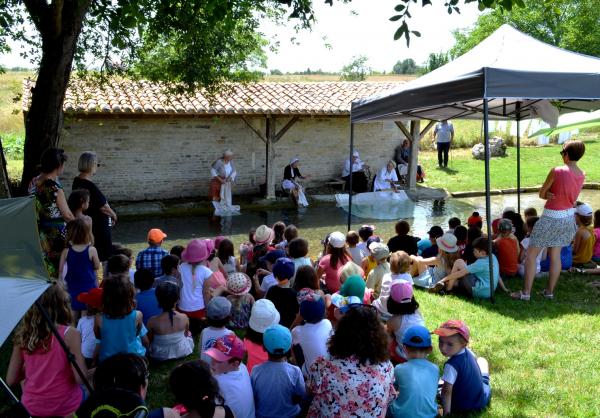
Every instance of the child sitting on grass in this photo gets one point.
(369, 262)
(85, 325)
(298, 252)
(145, 298)
(282, 296)
(404, 309)
(232, 375)
(447, 254)
(585, 238)
(278, 386)
(375, 278)
(416, 380)
(352, 240)
(400, 263)
(475, 220)
(218, 313)
(263, 315)
(596, 256)
(466, 378)
(169, 331)
(529, 224)
(507, 249)
(365, 232)
(402, 241)
(151, 256)
(474, 278)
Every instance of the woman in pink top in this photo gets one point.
(556, 227)
(50, 386)
(337, 256)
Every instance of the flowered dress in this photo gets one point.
(241, 306)
(344, 387)
(51, 225)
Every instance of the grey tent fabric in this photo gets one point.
(23, 275)
(505, 68)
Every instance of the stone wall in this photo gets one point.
(169, 157)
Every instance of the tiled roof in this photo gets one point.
(143, 97)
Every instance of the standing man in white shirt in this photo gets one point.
(359, 178)
(443, 135)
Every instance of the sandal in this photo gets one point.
(520, 296)
(577, 270)
(437, 288)
(546, 295)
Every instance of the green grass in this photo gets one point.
(542, 354)
(465, 173)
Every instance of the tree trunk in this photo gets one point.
(59, 30)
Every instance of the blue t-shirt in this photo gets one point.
(147, 304)
(278, 388)
(481, 270)
(417, 383)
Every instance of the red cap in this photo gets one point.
(92, 298)
(227, 348)
(452, 327)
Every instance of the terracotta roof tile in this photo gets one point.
(143, 97)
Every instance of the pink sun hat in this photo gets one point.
(195, 252)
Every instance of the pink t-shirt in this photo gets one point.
(50, 388)
(332, 279)
(256, 354)
(597, 245)
(566, 188)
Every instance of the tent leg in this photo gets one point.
(14, 398)
(62, 343)
(518, 157)
(488, 203)
(350, 182)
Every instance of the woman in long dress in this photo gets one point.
(223, 174)
(291, 175)
(386, 178)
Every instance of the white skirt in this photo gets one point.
(171, 346)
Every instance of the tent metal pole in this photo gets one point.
(62, 343)
(518, 111)
(350, 182)
(488, 203)
(13, 397)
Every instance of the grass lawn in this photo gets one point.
(465, 173)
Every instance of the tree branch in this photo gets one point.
(38, 10)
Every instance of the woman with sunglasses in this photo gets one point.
(556, 227)
(357, 378)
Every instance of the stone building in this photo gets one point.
(152, 144)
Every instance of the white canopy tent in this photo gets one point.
(509, 75)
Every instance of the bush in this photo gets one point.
(13, 145)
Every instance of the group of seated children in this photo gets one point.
(276, 334)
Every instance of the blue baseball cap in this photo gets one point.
(284, 268)
(272, 256)
(277, 339)
(417, 336)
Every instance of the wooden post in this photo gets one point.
(269, 179)
(415, 133)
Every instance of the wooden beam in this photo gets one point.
(426, 129)
(415, 128)
(283, 130)
(269, 174)
(256, 131)
(405, 131)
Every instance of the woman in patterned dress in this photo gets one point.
(51, 206)
(357, 378)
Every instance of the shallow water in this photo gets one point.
(315, 223)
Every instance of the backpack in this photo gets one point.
(113, 403)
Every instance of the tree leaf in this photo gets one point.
(395, 18)
(399, 7)
(399, 32)
(416, 33)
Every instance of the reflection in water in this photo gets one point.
(317, 222)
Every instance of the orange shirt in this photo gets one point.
(507, 250)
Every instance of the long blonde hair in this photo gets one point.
(447, 259)
(34, 332)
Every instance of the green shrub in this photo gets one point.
(13, 145)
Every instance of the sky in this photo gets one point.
(343, 31)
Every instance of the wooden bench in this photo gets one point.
(337, 183)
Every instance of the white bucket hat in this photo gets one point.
(337, 239)
(263, 315)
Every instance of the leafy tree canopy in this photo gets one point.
(436, 60)
(406, 66)
(569, 24)
(356, 70)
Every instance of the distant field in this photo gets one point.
(11, 88)
(334, 77)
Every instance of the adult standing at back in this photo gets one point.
(443, 134)
(51, 207)
(556, 227)
(99, 210)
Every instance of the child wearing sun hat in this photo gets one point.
(404, 309)
(263, 315)
(466, 378)
(278, 386)
(238, 286)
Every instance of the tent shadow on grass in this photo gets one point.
(573, 293)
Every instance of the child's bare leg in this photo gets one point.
(501, 284)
